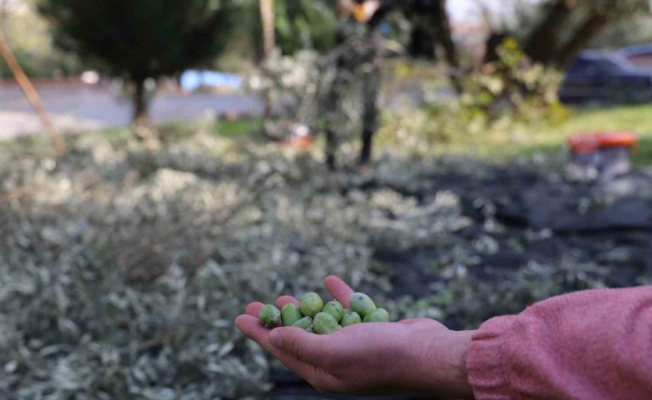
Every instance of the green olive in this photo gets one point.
(379, 315)
(290, 314)
(335, 309)
(362, 304)
(350, 318)
(325, 323)
(270, 316)
(311, 305)
(304, 323)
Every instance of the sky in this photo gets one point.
(468, 11)
(460, 9)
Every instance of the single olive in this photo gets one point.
(362, 304)
(270, 316)
(379, 315)
(304, 323)
(325, 323)
(335, 309)
(290, 314)
(350, 318)
(311, 305)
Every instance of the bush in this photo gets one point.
(507, 95)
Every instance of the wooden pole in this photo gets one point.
(269, 42)
(31, 94)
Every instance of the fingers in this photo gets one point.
(283, 300)
(338, 289)
(303, 346)
(316, 376)
(256, 332)
(411, 321)
(253, 309)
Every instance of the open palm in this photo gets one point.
(412, 356)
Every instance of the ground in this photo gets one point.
(123, 266)
(505, 144)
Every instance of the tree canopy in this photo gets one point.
(141, 39)
(302, 24)
(565, 27)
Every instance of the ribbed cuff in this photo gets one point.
(487, 360)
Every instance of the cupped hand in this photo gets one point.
(419, 356)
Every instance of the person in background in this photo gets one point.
(589, 345)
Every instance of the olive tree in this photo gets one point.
(565, 27)
(141, 39)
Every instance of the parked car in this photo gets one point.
(605, 77)
(195, 80)
(638, 55)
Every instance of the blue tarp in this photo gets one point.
(193, 80)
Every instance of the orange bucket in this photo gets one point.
(592, 142)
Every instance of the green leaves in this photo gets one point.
(305, 24)
(142, 38)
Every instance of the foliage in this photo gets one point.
(142, 39)
(27, 35)
(413, 130)
(305, 25)
(132, 291)
(564, 27)
(122, 268)
(299, 87)
(300, 25)
(632, 31)
(512, 87)
(42, 65)
(510, 94)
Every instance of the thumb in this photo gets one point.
(300, 344)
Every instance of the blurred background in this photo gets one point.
(165, 162)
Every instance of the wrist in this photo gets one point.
(459, 355)
(443, 370)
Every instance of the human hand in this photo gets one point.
(418, 356)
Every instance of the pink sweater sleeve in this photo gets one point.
(590, 345)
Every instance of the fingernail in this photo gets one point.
(275, 339)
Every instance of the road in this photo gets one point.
(78, 109)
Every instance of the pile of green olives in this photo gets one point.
(313, 316)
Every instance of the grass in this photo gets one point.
(500, 145)
(497, 145)
(239, 128)
(234, 129)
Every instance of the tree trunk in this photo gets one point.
(422, 44)
(269, 42)
(141, 109)
(372, 80)
(371, 115)
(445, 36)
(331, 150)
(371, 111)
(543, 43)
(582, 37)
